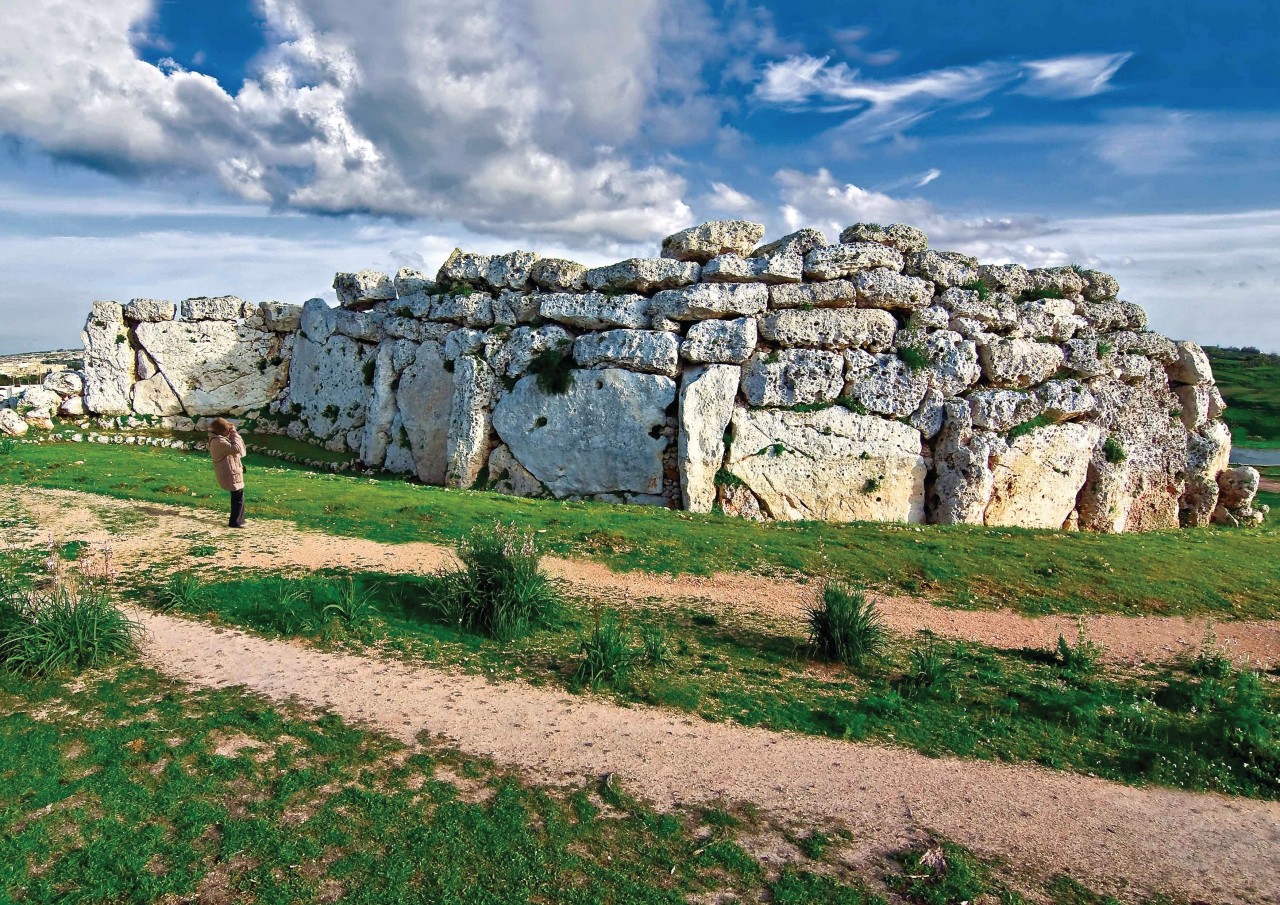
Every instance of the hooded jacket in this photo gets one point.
(226, 452)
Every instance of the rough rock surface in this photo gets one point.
(1019, 362)
(896, 235)
(1038, 477)
(830, 328)
(216, 367)
(365, 287)
(831, 464)
(642, 275)
(712, 300)
(604, 435)
(152, 310)
(706, 241)
(595, 310)
(424, 402)
(647, 351)
(222, 308)
(716, 341)
(706, 405)
(832, 262)
(792, 377)
(467, 449)
(109, 360)
(11, 423)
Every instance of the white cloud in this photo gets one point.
(501, 115)
(928, 178)
(725, 200)
(886, 107)
(1082, 75)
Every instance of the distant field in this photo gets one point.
(1250, 383)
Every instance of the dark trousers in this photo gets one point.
(237, 508)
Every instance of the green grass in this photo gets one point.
(63, 630)
(1168, 724)
(1228, 573)
(133, 788)
(1250, 383)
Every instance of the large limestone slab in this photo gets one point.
(706, 405)
(723, 342)
(887, 386)
(467, 449)
(793, 377)
(558, 275)
(832, 465)
(648, 351)
(154, 396)
(424, 403)
(363, 288)
(737, 269)
(706, 241)
(595, 310)
(888, 289)
(388, 362)
(1038, 478)
(11, 423)
(835, 261)
(217, 367)
(642, 275)
(218, 308)
(604, 435)
(1192, 366)
(712, 300)
(152, 310)
(327, 386)
(108, 360)
(1019, 363)
(830, 328)
(896, 235)
(831, 294)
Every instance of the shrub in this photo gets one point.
(1113, 449)
(1080, 658)
(845, 626)
(7, 445)
(184, 591)
(501, 591)
(64, 631)
(607, 654)
(913, 357)
(554, 368)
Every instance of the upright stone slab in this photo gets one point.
(831, 464)
(108, 360)
(706, 405)
(603, 436)
(1039, 477)
(424, 402)
(217, 367)
(469, 422)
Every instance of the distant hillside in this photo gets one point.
(1250, 383)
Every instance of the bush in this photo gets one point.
(607, 654)
(501, 591)
(1080, 658)
(184, 591)
(845, 627)
(64, 631)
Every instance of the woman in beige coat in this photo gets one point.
(226, 447)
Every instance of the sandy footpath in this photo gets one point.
(161, 535)
(1207, 846)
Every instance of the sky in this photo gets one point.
(171, 148)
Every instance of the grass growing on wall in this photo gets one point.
(1230, 573)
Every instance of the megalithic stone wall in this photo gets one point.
(869, 379)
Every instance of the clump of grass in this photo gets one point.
(913, 357)
(845, 626)
(980, 287)
(501, 591)
(1045, 292)
(183, 591)
(1027, 427)
(67, 630)
(7, 445)
(947, 874)
(654, 641)
(1210, 662)
(928, 669)
(352, 605)
(1113, 449)
(554, 368)
(1082, 657)
(607, 653)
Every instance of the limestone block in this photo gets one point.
(706, 405)
(363, 288)
(1038, 478)
(475, 309)
(732, 268)
(1061, 280)
(149, 310)
(512, 270)
(642, 275)
(830, 294)
(327, 386)
(953, 361)
(72, 407)
(467, 449)
(558, 275)
(389, 360)
(604, 435)
(896, 235)
(888, 387)
(934, 317)
(888, 289)
(154, 396)
(1082, 357)
(40, 399)
(1019, 363)
(109, 360)
(711, 300)
(526, 343)
(424, 404)
(830, 464)
(1195, 405)
(831, 262)
(595, 310)
(409, 281)
(830, 328)
(944, 268)
(318, 320)
(507, 475)
(64, 383)
(706, 241)
(963, 459)
(1008, 278)
(1001, 410)
(365, 326)
(222, 308)
(217, 367)
(798, 243)
(1208, 455)
(463, 268)
(279, 317)
(646, 351)
(792, 377)
(1066, 399)
(717, 341)
(1099, 286)
(463, 342)
(1192, 366)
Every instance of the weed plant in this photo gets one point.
(501, 591)
(554, 368)
(929, 669)
(607, 653)
(1081, 658)
(183, 591)
(66, 630)
(845, 626)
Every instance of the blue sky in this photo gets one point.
(166, 149)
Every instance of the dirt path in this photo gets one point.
(1208, 846)
(154, 535)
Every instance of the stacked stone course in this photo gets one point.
(874, 378)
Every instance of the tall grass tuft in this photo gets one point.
(183, 591)
(845, 626)
(501, 591)
(1081, 658)
(607, 654)
(66, 630)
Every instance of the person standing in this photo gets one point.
(226, 447)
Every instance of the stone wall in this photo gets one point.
(873, 378)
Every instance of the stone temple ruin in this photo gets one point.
(872, 379)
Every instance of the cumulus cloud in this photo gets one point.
(884, 107)
(491, 114)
